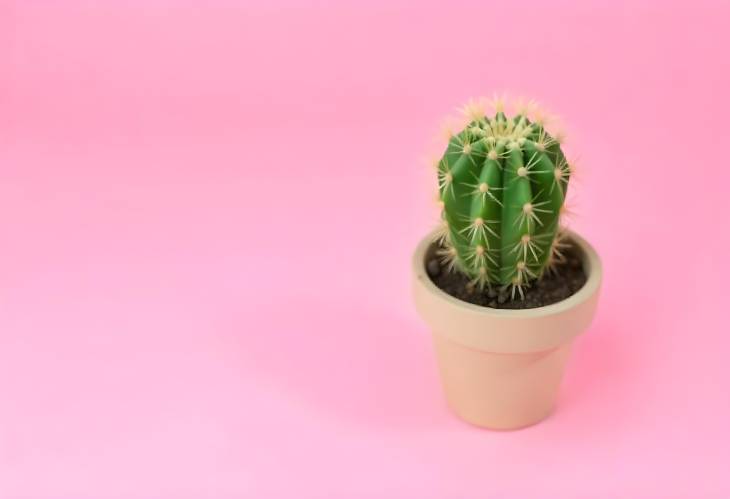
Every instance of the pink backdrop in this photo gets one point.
(206, 220)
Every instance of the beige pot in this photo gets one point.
(501, 369)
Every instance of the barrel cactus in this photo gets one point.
(502, 185)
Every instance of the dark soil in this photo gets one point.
(552, 288)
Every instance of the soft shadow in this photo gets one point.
(356, 363)
(601, 367)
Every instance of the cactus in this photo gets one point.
(502, 184)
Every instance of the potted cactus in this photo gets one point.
(503, 286)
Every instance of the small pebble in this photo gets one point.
(433, 268)
(502, 298)
(492, 293)
(493, 304)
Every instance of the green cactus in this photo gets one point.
(502, 184)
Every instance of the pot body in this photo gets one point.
(502, 369)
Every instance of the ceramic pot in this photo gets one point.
(501, 369)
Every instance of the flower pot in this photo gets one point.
(501, 369)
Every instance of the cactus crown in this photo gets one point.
(502, 184)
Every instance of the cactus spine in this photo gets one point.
(502, 184)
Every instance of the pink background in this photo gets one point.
(206, 220)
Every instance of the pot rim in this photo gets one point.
(591, 265)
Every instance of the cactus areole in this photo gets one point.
(502, 184)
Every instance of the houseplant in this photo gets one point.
(503, 286)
